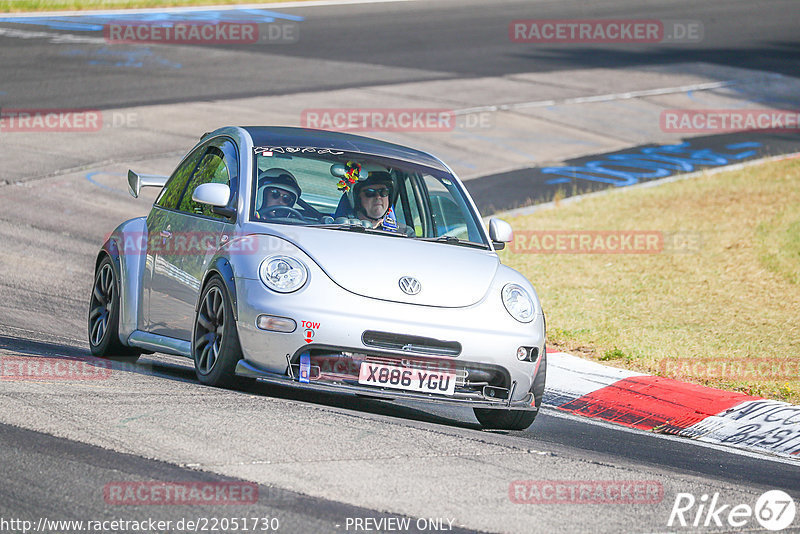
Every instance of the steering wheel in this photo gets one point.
(290, 213)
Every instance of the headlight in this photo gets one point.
(283, 274)
(518, 303)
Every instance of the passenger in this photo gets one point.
(369, 200)
(372, 198)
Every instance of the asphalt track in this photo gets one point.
(86, 470)
(318, 459)
(372, 44)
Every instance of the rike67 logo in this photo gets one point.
(774, 510)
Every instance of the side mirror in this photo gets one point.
(136, 181)
(500, 232)
(216, 196)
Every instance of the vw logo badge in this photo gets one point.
(410, 285)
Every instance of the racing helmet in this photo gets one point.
(280, 179)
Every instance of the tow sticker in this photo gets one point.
(310, 330)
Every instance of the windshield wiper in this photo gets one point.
(344, 226)
(452, 240)
(355, 227)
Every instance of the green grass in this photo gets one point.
(12, 6)
(615, 354)
(733, 296)
(779, 241)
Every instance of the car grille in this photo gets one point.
(412, 344)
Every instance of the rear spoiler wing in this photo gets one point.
(136, 181)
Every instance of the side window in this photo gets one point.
(449, 213)
(214, 168)
(407, 208)
(447, 216)
(175, 185)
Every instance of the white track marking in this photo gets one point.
(610, 97)
(54, 37)
(550, 410)
(231, 7)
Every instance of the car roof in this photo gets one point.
(304, 137)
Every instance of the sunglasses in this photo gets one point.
(372, 192)
(276, 194)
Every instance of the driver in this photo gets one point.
(277, 188)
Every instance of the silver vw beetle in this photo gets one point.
(325, 261)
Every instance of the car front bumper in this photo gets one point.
(247, 369)
(332, 320)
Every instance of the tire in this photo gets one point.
(516, 419)
(538, 383)
(215, 341)
(103, 323)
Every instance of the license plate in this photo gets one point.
(392, 376)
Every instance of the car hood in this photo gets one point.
(372, 265)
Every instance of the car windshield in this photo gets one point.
(347, 191)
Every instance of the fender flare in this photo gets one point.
(111, 250)
(541, 365)
(222, 268)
